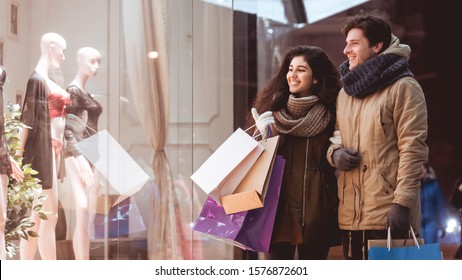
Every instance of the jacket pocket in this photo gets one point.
(388, 187)
(381, 125)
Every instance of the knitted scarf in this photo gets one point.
(302, 117)
(374, 74)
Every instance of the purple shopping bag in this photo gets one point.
(249, 230)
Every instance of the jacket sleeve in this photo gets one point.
(336, 142)
(410, 122)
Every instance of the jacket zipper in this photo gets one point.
(364, 169)
(304, 181)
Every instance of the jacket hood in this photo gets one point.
(399, 49)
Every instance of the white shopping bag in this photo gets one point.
(251, 191)
(222, 172)
(114, 163)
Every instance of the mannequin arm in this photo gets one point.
(86, 173)
(75, 127)
(23, 134)
(16, 171)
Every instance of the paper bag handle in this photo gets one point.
(255, 135)
(413, 237)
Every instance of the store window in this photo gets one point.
(164, 84)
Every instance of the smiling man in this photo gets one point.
(379, 144)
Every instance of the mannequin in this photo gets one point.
(8, 166)
(44, 112)
(82, 122)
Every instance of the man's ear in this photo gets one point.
(378, 47)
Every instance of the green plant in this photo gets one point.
(20, 194)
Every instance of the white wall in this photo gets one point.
(15, 49)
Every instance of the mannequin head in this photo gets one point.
(88, 61)
(52, 46)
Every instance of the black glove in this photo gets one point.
(345, 159)
(399, 221)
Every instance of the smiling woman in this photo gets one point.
(301, 96)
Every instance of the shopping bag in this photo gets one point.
(123, 220)
(248, 230)
(114, 163)
(257, 230)
(251, 191)
(402, 249)
(222, 172)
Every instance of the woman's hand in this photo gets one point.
(263, 121)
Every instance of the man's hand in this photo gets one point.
(345, 159)
(399, 221)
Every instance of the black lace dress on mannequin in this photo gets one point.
(88, 110)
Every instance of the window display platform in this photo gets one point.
(118, 249)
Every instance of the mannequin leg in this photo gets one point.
(47, 230)
(46, 242)
(3, 207)
(93, 195)
(47, 236)
(81, 236)
(28, 248)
